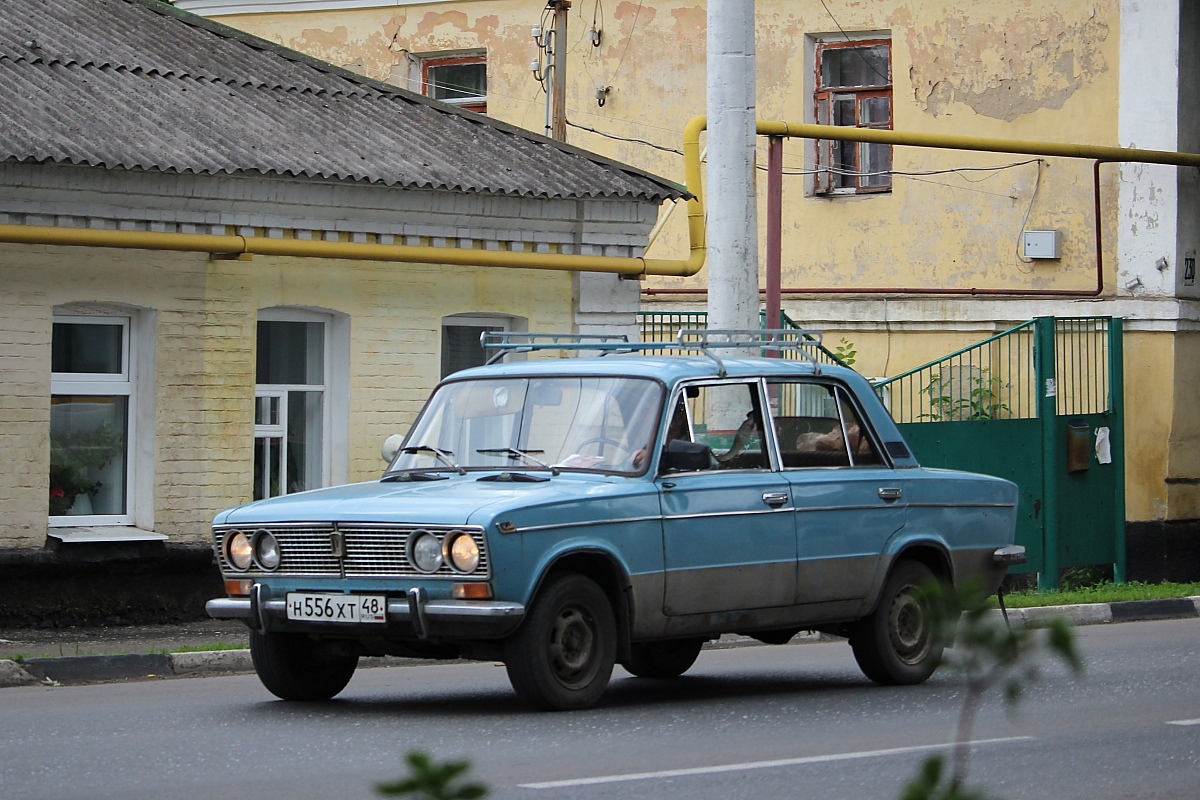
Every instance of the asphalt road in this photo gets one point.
(780, 722)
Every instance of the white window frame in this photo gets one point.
(334, 388)
(122, 384)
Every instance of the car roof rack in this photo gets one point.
(505, 342)
(779, 340)
(704, 340)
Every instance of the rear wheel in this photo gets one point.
(562, 656)
(293, 666)
(899, 644)
(663, 659)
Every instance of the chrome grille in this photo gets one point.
(365, 551)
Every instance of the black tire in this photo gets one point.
(663, 659)
(899, 644)
(294, 667)
(562, 656)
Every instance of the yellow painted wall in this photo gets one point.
(1044, 71)
(204, 335)
(1183, 478)
(1149, 395)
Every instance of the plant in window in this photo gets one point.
(75, 458)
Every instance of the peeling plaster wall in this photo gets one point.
(1045, 70)
(1035, 61)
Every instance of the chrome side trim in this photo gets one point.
(710, 515)
(962, 505)
(797, 509)
(582, 524)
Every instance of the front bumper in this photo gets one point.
(415, 614)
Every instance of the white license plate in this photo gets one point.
(336, 607)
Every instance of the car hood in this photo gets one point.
(460, 500)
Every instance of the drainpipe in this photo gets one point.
(774, 231)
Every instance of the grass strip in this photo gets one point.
(1101, 593)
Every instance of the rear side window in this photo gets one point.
(818, 426)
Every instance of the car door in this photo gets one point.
(729, 542)
(848, 501)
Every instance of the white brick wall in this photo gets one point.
(203, 381)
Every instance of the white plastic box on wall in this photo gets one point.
(1040, 244)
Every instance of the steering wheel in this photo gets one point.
(601, 443)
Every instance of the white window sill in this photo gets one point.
(106, 533)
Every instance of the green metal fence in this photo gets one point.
(1040, 404)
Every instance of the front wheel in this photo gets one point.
(663, 659)
(295, 667)
(899, 644)
(562, 656)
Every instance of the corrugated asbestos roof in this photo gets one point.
(138, 84)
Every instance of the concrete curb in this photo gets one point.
(98, 669)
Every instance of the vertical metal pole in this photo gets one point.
(1047, 384)
(774, 230)
(1116, 405)
(558, 115)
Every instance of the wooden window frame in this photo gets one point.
(826, 182)
(477, 103)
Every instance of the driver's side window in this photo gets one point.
(727, 417)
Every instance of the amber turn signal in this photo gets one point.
(238, 587)
(471, 591)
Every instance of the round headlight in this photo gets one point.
(266, 550)
(238, 551)
(463, 553)
(425, 551)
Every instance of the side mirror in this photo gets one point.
(391, 446)
(681, 455)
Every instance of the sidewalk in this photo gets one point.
(56, 656)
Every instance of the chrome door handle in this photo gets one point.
(889, 493)
(775, 498)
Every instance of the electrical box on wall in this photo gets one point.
(1040, 244)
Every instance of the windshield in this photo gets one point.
(569, 423)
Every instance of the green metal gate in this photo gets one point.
(1040, 404)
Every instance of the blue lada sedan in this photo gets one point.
(563, 515)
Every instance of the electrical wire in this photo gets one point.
(1037, 182)
(886, 78)
(625, 138)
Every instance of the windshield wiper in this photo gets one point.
(401, 477)
(442, 455)
(513, 452)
